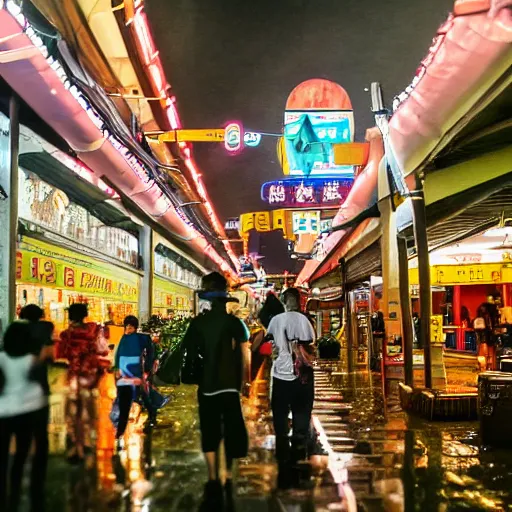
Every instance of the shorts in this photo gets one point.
(221, 417)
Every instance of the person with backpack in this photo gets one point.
(24, 414)
(292, 385)
(134, 359)
(221, 341)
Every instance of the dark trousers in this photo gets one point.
(25, 428)
(126, 395)
(221, 417)
(297, 397)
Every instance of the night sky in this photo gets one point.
(237, 59)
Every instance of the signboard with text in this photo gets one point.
(306, 222)
(42, 264)
(171, 296)
(295, 192)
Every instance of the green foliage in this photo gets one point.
(170, 331)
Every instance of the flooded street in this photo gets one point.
(368, 452)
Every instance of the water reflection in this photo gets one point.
(370, 453)
(404, 463)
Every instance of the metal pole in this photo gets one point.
(348, 316)
(405, 305)
(425, 296)
(14, 144)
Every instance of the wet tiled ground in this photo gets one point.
(378, 458)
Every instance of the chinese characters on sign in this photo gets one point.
(311, 192)
(331, 192)
(276, 194)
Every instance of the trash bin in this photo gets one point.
(495, 408)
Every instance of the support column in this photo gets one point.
(348, 317)
(9, 146)
(456, 306)
(405, 302)
(425, 296)
(147, 252)
(391, 308)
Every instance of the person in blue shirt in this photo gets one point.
(134, 357)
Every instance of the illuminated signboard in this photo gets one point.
(309, 137)
(233, 137)
(232, 224)
(252, 139)
(306, 223)
(295, 192)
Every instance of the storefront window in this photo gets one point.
(165, 266)
(50, 208)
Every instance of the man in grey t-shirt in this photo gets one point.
(293, 334)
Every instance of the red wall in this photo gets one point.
(473, 295)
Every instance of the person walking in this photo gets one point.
(292, 384)
(272, 307)
(41, 340)
(221, 340)
(134, 357)
(79, 345)
(24, 416)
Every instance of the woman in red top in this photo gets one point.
(79, 345)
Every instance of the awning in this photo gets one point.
(67, 112)
(332, 260)
(464, 199)
(365, 264)
(77, 189)
(466, 70)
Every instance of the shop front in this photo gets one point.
(175, 281)
(66, 254)
(464, 292)
(171, 299)
(54, 278)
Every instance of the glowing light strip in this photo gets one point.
(98, 122)
(151, 56)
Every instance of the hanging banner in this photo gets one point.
(42, 264)
(172, 296)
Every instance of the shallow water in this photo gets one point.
(386, 459)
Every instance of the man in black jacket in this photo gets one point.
(221, 339)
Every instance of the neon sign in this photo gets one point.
(309, 137)
(293, 192)
(252, 139)
(233, 137)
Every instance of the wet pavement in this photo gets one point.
(376, 458)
